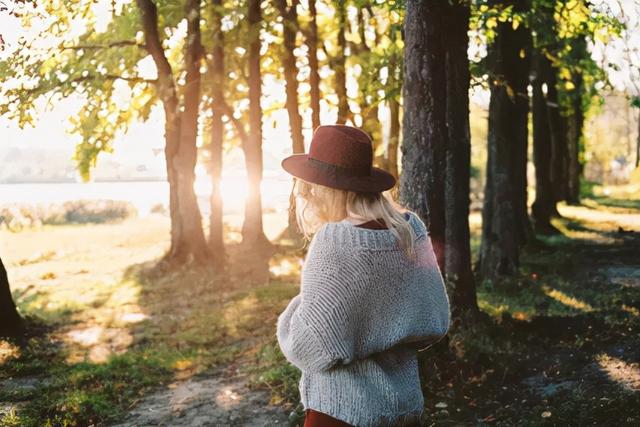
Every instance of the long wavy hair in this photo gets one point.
(317, 204)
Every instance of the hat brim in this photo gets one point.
(299, 166)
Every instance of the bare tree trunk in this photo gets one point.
(216, 235)
(457, 249)
(314, 76)
(252, 228)
(11, 324)
(187, 236)
(395, 80)
(575, 124)
(503, 225)
(394, 137)
(436, 140)
(289, 31)
(340, 64)
(544, 205)
(290, 28)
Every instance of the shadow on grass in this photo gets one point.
(186, 322)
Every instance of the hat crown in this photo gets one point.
(342, 146)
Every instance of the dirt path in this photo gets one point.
(203, 402)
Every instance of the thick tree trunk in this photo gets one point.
(314, 75)
(559, 150)
(252, 228)
(340, 64)
(11, 324)
(216, 235)
(457, 249)
(187, 236)
(544, 205)
(187, 155)
(436, 140)
(505, 224)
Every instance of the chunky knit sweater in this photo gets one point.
(363, 311)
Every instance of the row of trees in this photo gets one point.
(537, 65)
(211, 58)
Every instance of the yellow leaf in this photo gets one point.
(515, 24)
(492, 22)
(569, 85)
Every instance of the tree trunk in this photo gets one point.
(575, 123)
(314, 75)
(290, 28)
(457, 250)
(505, 224)
(11, 324)
(216, 235)
(289, 31)
(544, 205)
(394, 137)
(187, 236)
(436, 141)
(252, 228)
(340, 64)
(559, 151)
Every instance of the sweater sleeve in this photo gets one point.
(314, 331)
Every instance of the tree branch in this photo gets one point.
(105, 46)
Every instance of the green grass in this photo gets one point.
(551, 320)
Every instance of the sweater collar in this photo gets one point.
(345, 233)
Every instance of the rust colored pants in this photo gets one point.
(318, 419)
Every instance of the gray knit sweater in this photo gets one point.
(363, 311)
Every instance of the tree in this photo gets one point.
(314, 75)
(181, 131)
(252, 228)
(340, 64)
(97, 67)
(11, 324)
(436, 137)
(218, 108)
(544, 206)
(505, 224)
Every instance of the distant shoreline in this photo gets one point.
(107, 181)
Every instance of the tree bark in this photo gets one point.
(340, 64)
(290, 28)
(436, 137)
(11, 324)
(314, 75)
(187, 236)
(216, 235)
(505, 224)
(575, 124)
(252, 228)
(394, 82)
(544, 206)
(559, 150)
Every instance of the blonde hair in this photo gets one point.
(329, 204)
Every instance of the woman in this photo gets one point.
(371, 292)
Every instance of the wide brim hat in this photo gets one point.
(340, 156)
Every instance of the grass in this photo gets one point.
(108, 329)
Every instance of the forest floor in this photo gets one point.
(114, 342)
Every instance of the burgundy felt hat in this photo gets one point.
(341, 157)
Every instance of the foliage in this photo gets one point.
(17, 217)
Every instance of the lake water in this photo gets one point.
(145, 195)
